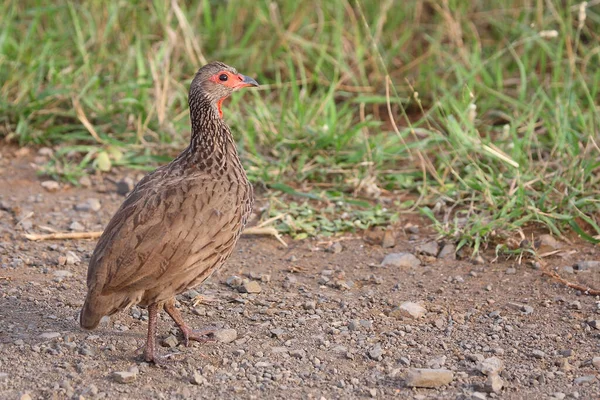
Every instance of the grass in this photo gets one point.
(482, 115)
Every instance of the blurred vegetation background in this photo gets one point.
(482, 115)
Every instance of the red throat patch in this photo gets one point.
(219, 103)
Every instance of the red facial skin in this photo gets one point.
(233, 81)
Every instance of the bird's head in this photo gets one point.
(215, 82)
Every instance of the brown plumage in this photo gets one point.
(180, 222)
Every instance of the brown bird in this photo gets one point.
(180, 223)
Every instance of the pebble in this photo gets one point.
(278, 333)
(409, 309)
(62, 273)
(25, 396)
(585, 265)
(234, 281)
(250, 287)
(478, 396)
(429, 248)
(49, 335)
(51, 186)
(559, 395)
(91, 204)
(428, 378)
(594, 323)
(389, 239)
(511, 271)
(310, 305)
(448, 252)
(575, 305)
(226, 335)
(335, 248)
(596, 362)
(584, 379)
(125, 376)
(493, 384)
(376, 352)
(170, 341)
(3, 376)
(124, 186)
(197, 379)
(298, 353)
(400, 260)
(490, 366)
(71, 258)
(85, 181)
(538, 354)
(76, 227)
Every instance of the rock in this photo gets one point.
(584, 379)
(85, 181)
(587, 265)
(45, 152)
(491, 366)
(376, 352)
(594, 323)
(429, 248)
(170, 341)
(538, 354)
(353, 325)
(125, 376)
(71, 258)
(478, 396)
(428, 378)
(124, 186)
(546, 243)
(25, 396)
(409, 309)
(76, 227)
(51, 186)
(400, 260)
(61, 273)
(197, 379)
(527, 310)
(225, 335)
(389, 239)
(3, 377)
(596, 362)
(448, 252)
(298, 353)
(89, 205)
(373, 392)
(567, 270)
(310, 305)
(335, 248)
(511, 271)
(49, 335)
(278, 333)
(575, 305)
(250, 287)
(493, 384)
(234, 281)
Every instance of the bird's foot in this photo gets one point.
(197, 335)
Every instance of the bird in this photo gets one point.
(180, 223)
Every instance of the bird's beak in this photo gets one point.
(245, 81)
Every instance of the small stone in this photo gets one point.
(478, 259)
(353, 325)
(89, 205)
(25, 396)
(197, 379)
(310, 305)
(51, 186)
(400, 260)
(567, 270)
(587, 265)
(389, 239)
(298, 353)
(575, 305)
(376, 352)
(409, 309)
(335, 248)
(234, 281)
(61, 273)
(3, 377)
(225, 335)
(490, 366)
(538, 354)
(124, 186)
(594, 323)
(278, 333)
(429, 248)
(85, 181)
(373, 392)
(49, 335)
(511, 271)
(546, 243)
(559, 395)
(478, 396)
(76, 227)
(596, 362)
(170, 341)
(584, 379)
(124, 376)
(527, 310)
(250, 287)
(448, 252)
(428, 378)
(493, 384)
(71, 258)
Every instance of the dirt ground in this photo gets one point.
(325, 325)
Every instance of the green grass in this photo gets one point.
(495, 104)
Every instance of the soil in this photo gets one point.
(326, 324)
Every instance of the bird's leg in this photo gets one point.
(202, 335)
(150, 350)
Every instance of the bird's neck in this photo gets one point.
(211, 143)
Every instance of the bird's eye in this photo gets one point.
(223, 77)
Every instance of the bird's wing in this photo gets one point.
(166, 229)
